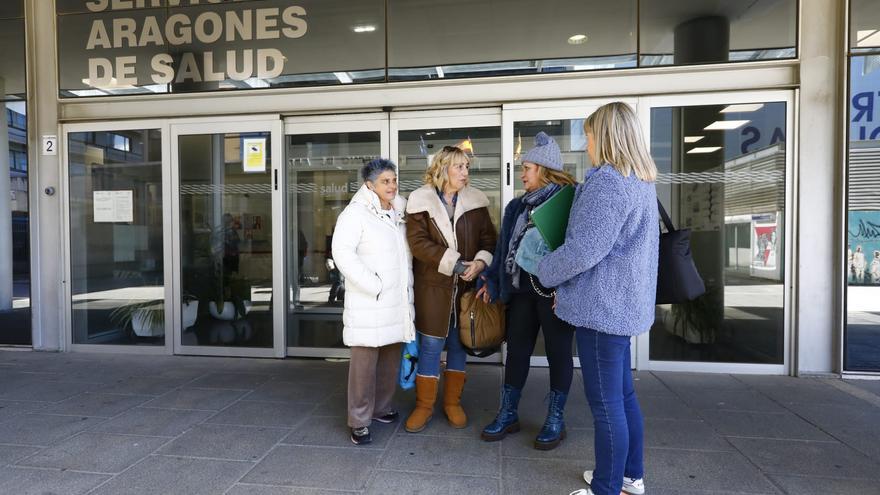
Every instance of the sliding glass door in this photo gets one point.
(724, 163)
(323, 161)
(227, 238)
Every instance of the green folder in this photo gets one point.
(551, 217)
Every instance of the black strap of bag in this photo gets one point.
(678, 280)
(667, 222)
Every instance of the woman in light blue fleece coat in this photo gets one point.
(605, 275)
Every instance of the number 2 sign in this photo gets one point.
(50, 145)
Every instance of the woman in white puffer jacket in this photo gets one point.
(371, 251)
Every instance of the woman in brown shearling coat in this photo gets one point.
(451, 236)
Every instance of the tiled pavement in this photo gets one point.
(114, 424)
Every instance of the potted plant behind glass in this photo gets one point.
(189, 310)
(232, 298)
(147, 318)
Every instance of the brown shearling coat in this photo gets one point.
(435, 250)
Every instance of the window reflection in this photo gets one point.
(684, 32)
(15, 304)
(250, 35)
(563, 36)
(323, 174)
(12, 64)
(226, 240)
(722, 175)
(569, 135)
(116, 247)
(864, 25)
(416, 148)
(862, 338)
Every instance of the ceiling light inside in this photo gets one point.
(364, 29)
(745, 107)
(440, 72)
(704, 149)
(693, 139)
(578, 39)
(725, 125)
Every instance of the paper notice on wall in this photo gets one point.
(254, 150)
(113, 206)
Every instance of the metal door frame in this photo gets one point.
(67, 305)
(221, 125)
(326, 124)
(790, 222)
(552, 110)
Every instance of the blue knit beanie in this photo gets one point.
(545, 153)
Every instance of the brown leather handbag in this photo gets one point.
(481, 325)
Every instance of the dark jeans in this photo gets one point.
(527, 313)
(617, 419)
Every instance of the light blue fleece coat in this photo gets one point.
(605, 273)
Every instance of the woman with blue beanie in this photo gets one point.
(605, 274)
(529, 304)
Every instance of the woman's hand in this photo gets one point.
(483, 294)
(474, 268)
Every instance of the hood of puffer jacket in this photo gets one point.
(425, 199)
(370, 199)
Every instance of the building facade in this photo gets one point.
(176, 167)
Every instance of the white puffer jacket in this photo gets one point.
(371, 251)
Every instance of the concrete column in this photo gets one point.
(5, 210)
(820, 176)
(47, 242)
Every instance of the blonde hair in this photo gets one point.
(437, 174)
(618, 141)
(561, 177)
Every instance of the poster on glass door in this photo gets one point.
(765, 247)
(863, 248)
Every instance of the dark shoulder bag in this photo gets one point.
(678, 280)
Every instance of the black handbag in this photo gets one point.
(678, 280)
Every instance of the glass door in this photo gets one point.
(117, 256)
(564, 122)
(322, 172)
(725, 165)
(417, 135)
(323, 156)
(228, 237)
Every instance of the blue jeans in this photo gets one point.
(430, 349)
(617, 419)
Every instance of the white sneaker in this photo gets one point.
(633, 486)
(582, 491)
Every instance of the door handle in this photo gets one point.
(508, 173)
(276, 179)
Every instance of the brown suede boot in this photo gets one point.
(453, 384)
(426, 396)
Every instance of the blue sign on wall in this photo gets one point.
(864, 111)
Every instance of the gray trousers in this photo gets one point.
(372, 380)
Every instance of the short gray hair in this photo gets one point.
(374, 168)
